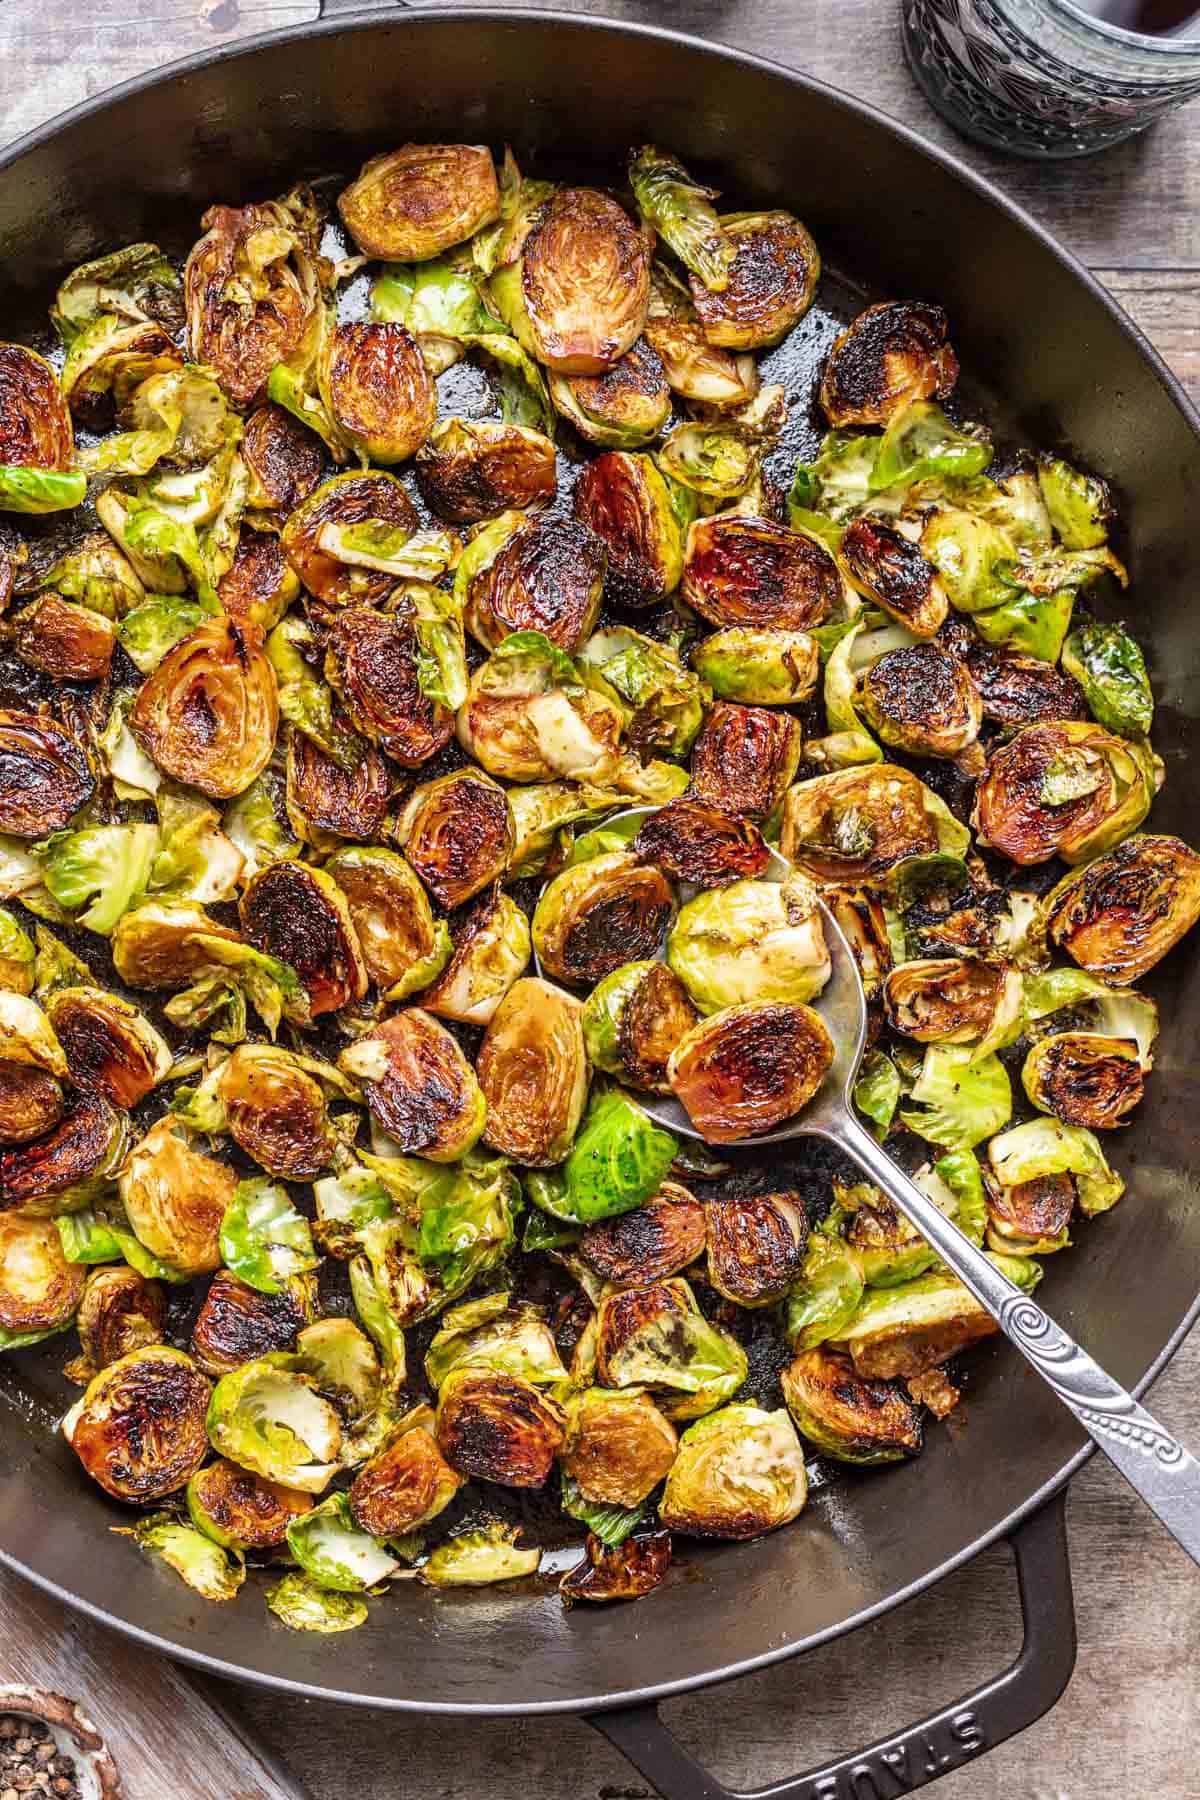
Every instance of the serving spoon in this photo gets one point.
(1154, 1463)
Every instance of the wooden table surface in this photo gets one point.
(1129, 1724)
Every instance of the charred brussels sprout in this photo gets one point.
(756, 1246)
(31, 1102)
(1030, 1218)
(269, 1418)
(547, 577)
(760, 666)
(756, 940)
(406, 1483)
(121, 1311)
(413, 203)
(139, 1429)
(922, 700)
(745, 758)
(1120, 915)
(632, 1021)
(1067, 789)
(694, 368)
(259, 585)
(209, 713)
(627, 1571)
(345, 501)
(851, 1417)
(377, 390)
(1109, 667)
(626, 406)
(618, 1446)
(326, 802)
(240, 1510)
(66, 642)
(678, 208)
(283, 459)
(1084, 1078)
(403, 947)
(71, 1164)
(748, 1068)
(943, 1000)
(770, 285)
(37, 444)
(860, 827)
(472, 469)
(176, 1198)
(702, 845)
(237, 1323)
(491, 950)
(497, 1427)
(457, 834)
(110, 1048)
(892, 354)
(533, 1072)
(276, 1111)
(1045, 1147)
(40, 1290)
(44, 775)
(599, 914)
(656, 1337)
(891, 571)
(418, 1084)
(623, 499)
(739, 1473)
(750, 572)
(1022, 690)
(656, 1240)
(290, 909)
(373, 660)
(577, 295)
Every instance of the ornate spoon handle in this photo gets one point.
(1165, 1474)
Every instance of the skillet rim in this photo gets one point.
(353, 23)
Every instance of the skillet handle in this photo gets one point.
(944, 1741)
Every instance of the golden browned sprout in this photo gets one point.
(139, 1430)
(471, 469)
(110, 1048)
(756, 1246)
(618, 1446)
(1031, 1212)
(260, 585)
(622, 497)
(1067, 789)
(585, 282)
(121, 1311)
(39, 1289)
(176, 1198)
(209, 713)
(31, 1102)
(771, 282)
(418, 1084)
(888, 569)
(405, 1484)
(1120, 915)
(863, 920)
(548, 577)
(650, 1243)
(299, 914)
(378, 389)
(498, 1427)
(89, 1141)
(943, 1000)
(276, 1112)
(283, 458)
(1023, 690)
(372, 660)
(851, 1417)
(533, 1072)
(415, 202)
(598, 914)
(345, 500)
(326, 800)
(1085, 1078)
(745, 758)
(856, 824)
(747, 571)
(35, 426)
(922, 700)
(457, 834)
(241, 1510)
(160, 944)
(629, 1571)
(693, 367)
(654, 1013)
(892, 354)
(44, 775)
(66, 642)
(237, 1324)
(391, 915)
(749, 1068)
(703, 845)
(626, 406)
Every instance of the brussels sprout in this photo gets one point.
(66, 642)
(1032, 1217)
(744, 758)
(891, 571)
(973, 558)
(892, 354)
(618, 1160)
(907, 1329)
(1121, 914)
(852, 1418)
(120, 1311)
(511, 1339)
(678, 208)
(252, 287)
(326, 802)
(377, 390)
(632, 1021)
(1067, 789)
(31, 1102)
(291, 906)
(346, 501)
(331, 1548)
(667, 700)
(922, 700)
(491, 951)
(964, 1097)
(112, 356)
(835, 487)
(472, 469)
(694, 368)
(600, 914)
(944, 1000)
(264, 1240)
(139, 1428)
(922, 444)
(1048, 1147)
(533, 1073)
(749, 572)
(218, 676)
(635, 1567)
(70, 1165)
(260, 584)
(875, 933)
(576, 296)
(753, 941)
(110, 1047)
(656, 1337)
(418, 1084)
(655, 1240)
(415, 202)
(1084, 1078)
(770, 285)
(739, 1473)
(304, 699)
(457, 834)
(828, 1293)
(1028, 624)
(868, 827)
(479, 1558)
(760, 666)
(527, 718)
(242, 1511)
(176, 1198)
(40, 1290)
(748, 1068)
(268, 1417)
(721, 458)
(702, 845)
(37, 444)
(618, 1447)
(498, 1427)
(237, 1323)
(44, 775)
(1110, 668)
(26, 1035)
(16, 956)
(213, 1572)
(756, 1246)
(156, 626)
(135, 282)
(465, 1226)
(1080, 506)
(282, 458)
(301, 1605)
(257, 825)
(888, 1249)
(1022, 690)
(406, 1483)
(373, 661)
(402, 946)
(100, 872)
(624, 407)
(97, 575)
(622, 498)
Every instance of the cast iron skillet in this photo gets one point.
(1054, 362)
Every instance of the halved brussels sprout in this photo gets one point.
(770, 285)
(745, 758)
(577, 295)
(269, 1418)
(419, 1086)
(622, 498)
(26, 1036)
(402, 945)
(31, 1102)
(890, 570)
(377, 390)
(654, 1241)
(701, 845)
(373, 660)
(330, 1548)
(1084, 1078)
(1068, 789)
(121, 1311)
(326, 802)
(624, 407)
(888, 1249)
(892, 354)
(66, 642)
(618, 1160)
(495, 1333)
(547, 576)
(164, 944)
(632, 1021)
(413, 203)
(694, 368)
(599, 914)
(176, 1198)
(1080, 506)
(760, 666)
(479, 1558)
(945, 1000)
(97, 575)
(747, 571)
(755, 940)
(907, 1329)
(739, 1472)
(667, 700)
(260, 584)
(292, 908)
(1120, 915)
(275, 1110)
(139, 1428)
(491, 951)
(922, 700)
(283, 459)
(242, 1511)
(238, 1323)
(867, 827)
(748, 1068)
(618, 1446)
(40, 1290)
(634, 1567)
(112, 356)
(71, 1164)
(472, 469)
(853, 1418)
(497, 1427)
(16, 956)
(528, 718)
(533, 1072)
(677, 206)
(457, 833)
(44, 775)
(1022, 690)
(344, 501)
(209, 713)
(37, 444)
(110, 1047)
(656, 1337)
(406, 1483)
(1110, 668)
(721, 457)
(253, 291)
(1030, 1218)
(756, 1246)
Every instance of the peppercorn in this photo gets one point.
(31, 1763)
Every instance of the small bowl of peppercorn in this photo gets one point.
(50, 1750)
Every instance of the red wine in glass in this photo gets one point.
(1153, 18)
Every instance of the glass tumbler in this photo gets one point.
(1040, 78)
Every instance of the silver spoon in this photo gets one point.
(1153, 1463)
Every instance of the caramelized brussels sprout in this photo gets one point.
(749, 572)
(748, 1068)
(31, 1102)
(209, 713)
(694, 368)
(1068, 789)
(677, 206)
(533, 1072)
(626, 1571)
(418, 1084)
(1022, 690)
(66, 642)
(1084, 1078)
(546, 577)
(260, 584)
(1042, 1147)
(472, 469)
(377, 389)
(276, 1111)
(526, 717)
(739, 1473)
(495, 1333)
(291, 908)
(745, 758)
(37, 444)
(770, 286)
(944, 1000)
(326, 802)
(632, 1021)
(242, 1511)
(68, 1166)
(120, 1311)
(853, 1418)
(491, 950)
(413, 203)
(656, 1337)
(756, 940)
(26, 1035)
(269, 1418)
(457, 834)
(1120, 915)
(892, 354)
(654, 1241)
(760, 666)
(1030, 1218)
(626, 406)
(624, 500)
(402, 945)
(889, 1250)
(139, 1428)
(600, 914)
(237, 1323)
(907, 1329)
(618, 1446)
(40, 1290)
(344, 501)
(282, 458)
(860, 827)
(44, 775)
(922, 700)
(702, 845)
(110, 1047)
(891, 571)
(373, 660)
(406, 1483)
(497, 1427)
(667, 701)
(756, 1246)
(1110, 668)
(176, 1198)
(577, 295)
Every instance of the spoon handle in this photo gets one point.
(1153, 1463)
